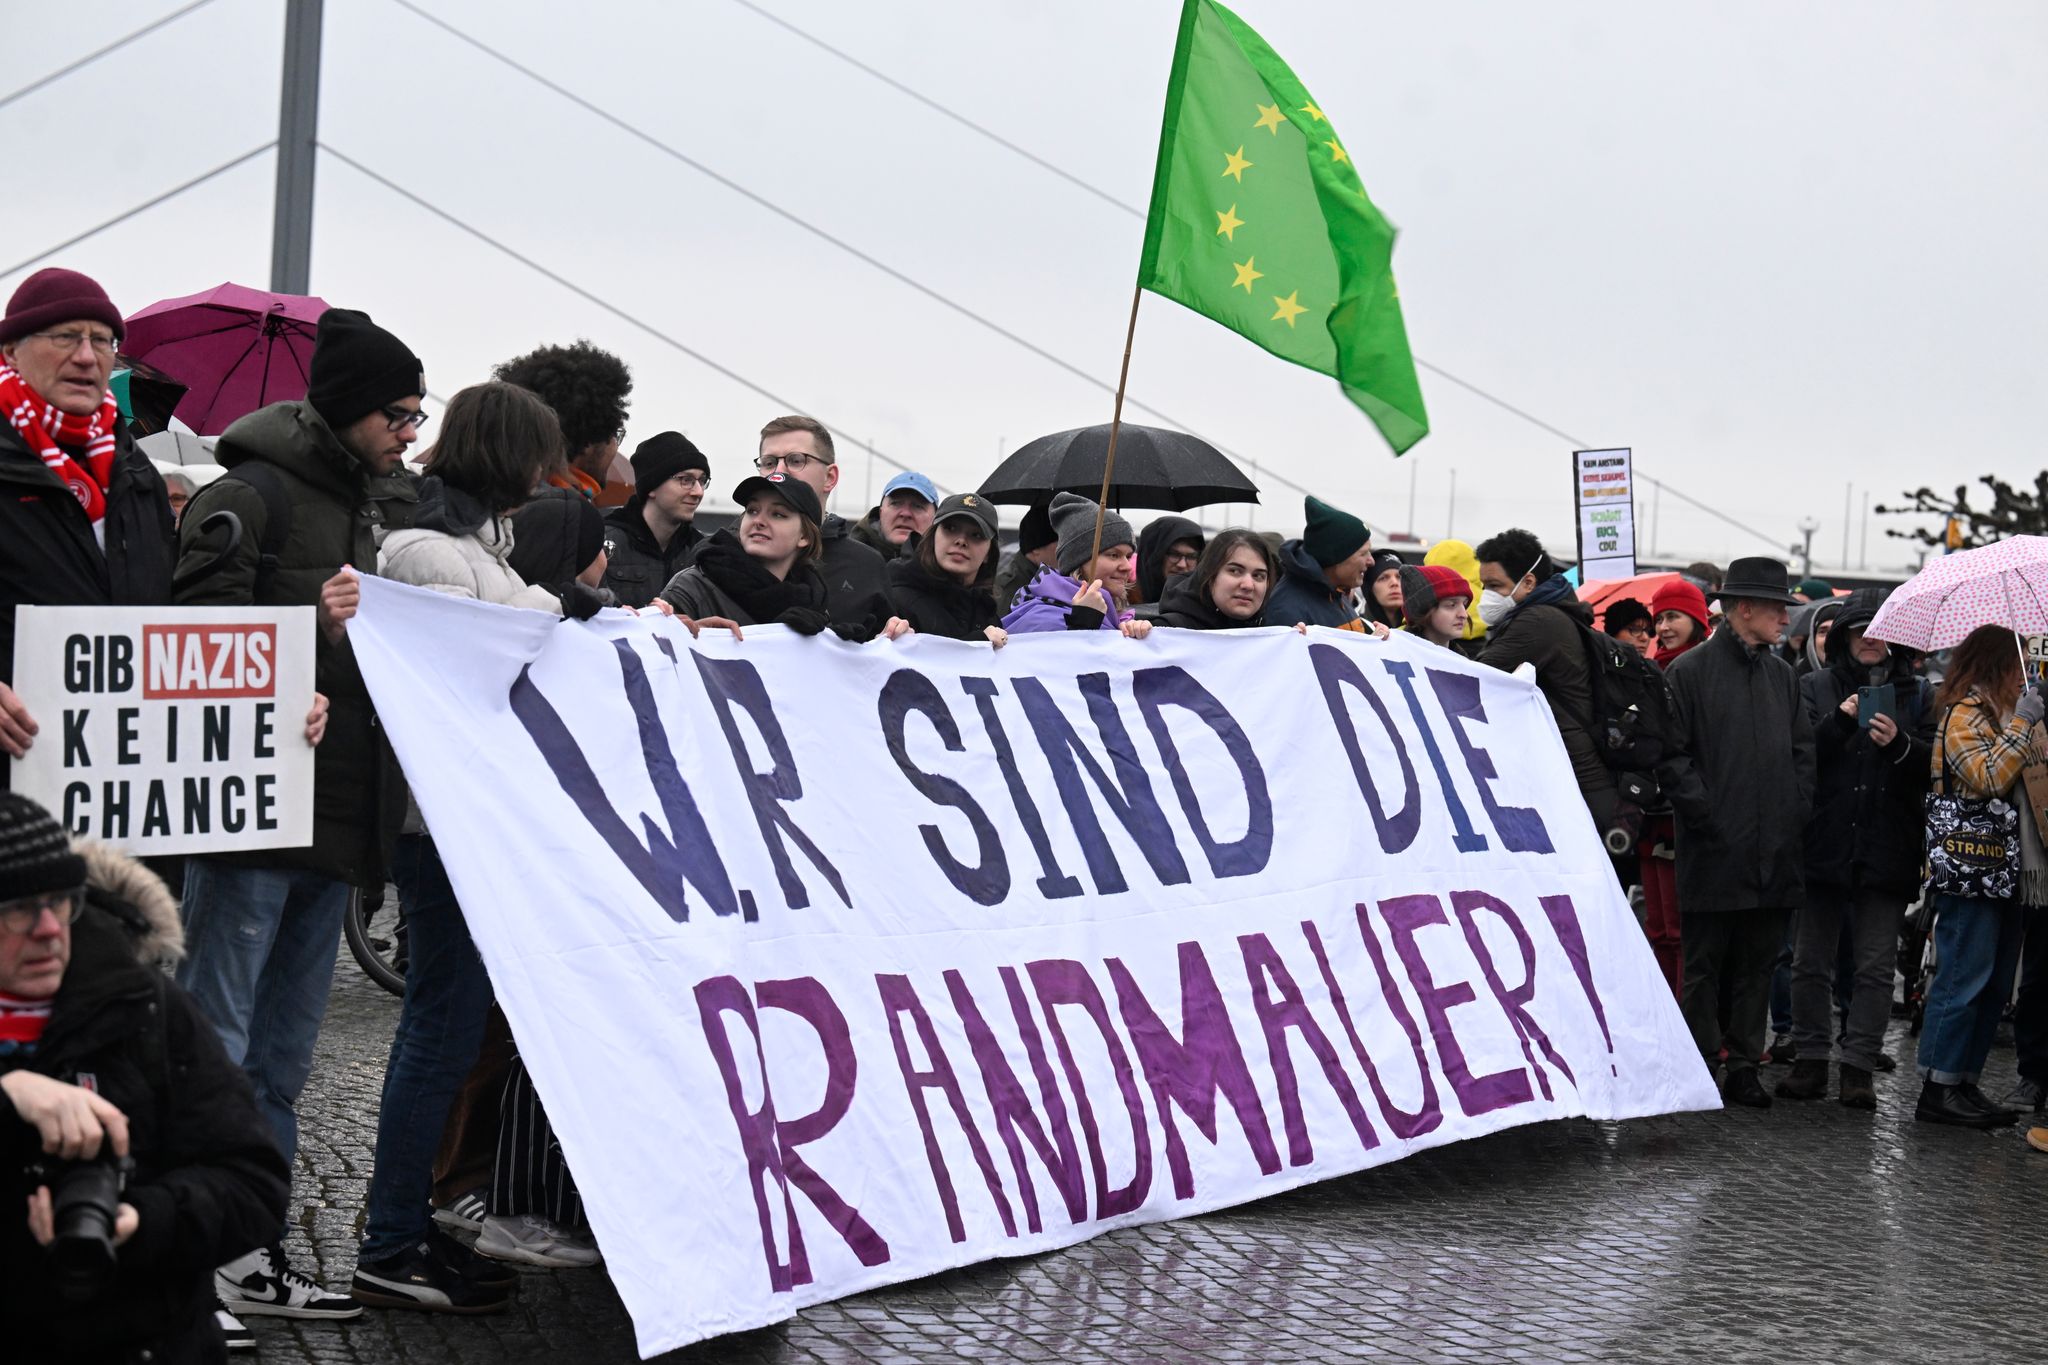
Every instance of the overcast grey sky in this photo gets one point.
(1777, 249)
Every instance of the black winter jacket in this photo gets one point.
(1869, 821)
(1544, 632)
(49, 555)
(209, 1184)
(1187, 609)
(636, 568)
(939, 604)
(358, 790)
(856, 587)
(1744, 788)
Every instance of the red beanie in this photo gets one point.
(1679, 595)
(52, 296)
(1447, 582)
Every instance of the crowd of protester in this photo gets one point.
(1771, 833)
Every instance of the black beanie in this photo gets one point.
(661, 457)
(1036, 532)
(35, 855)
(358, 367)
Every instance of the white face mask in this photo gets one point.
(1494, 607)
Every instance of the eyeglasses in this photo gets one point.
(67, 342)
(693, 481)
(398, 419)
(22, 916)
(795, 464)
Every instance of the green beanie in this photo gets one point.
(1331, 536)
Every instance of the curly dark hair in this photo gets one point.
(1518, 553)
(589, 389)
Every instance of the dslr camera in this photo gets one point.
(85, 1198)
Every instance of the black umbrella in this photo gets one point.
(1154, 468)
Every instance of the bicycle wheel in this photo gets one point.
(376, 938)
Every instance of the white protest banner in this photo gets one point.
(169, 729)
(837, 965)
(1605, 494)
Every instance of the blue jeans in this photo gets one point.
(440, 1029)
(259, 958)
(1977, 948)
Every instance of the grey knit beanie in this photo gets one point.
(1073, 522)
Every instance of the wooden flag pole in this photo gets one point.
(1116, 421)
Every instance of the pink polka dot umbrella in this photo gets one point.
(1999, 585)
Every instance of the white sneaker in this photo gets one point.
(263, 1284)
(232, 1332)
(537, 1241)
(466, 1213)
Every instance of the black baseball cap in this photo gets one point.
(972, 506)
(797, 495)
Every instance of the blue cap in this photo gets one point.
(915, 482)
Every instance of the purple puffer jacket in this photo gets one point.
(1045, 602)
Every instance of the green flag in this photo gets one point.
(1260, 222)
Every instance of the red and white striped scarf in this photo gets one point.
(45, 429)
(21, 1025)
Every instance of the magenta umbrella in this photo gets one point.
(235, 349)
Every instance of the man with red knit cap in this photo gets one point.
(84, 519)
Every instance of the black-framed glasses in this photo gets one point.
(67, 342)
(795, 464)
(398, 419)
(23, 915)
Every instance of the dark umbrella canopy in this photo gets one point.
(1154, 468)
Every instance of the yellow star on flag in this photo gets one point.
(1336, 151)
(1245, 273)
(1288, 308)
(1270, 118)
(1313, 113)
(1235, 165)
(1227, 223)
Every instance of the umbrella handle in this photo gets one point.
(219, 561)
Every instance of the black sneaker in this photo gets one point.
(465, 1261)
(418, 1279)
(1744, 1088)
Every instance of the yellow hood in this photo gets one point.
(1456, 554)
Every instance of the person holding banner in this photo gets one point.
(84, 518)
(262, 927)
(1229, 587)
(1383, 591)
(1089, 589)
(1435, 600)
(940, 583)
(767, 573)
(496, 442)
(1320, 571)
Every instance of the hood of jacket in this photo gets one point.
(1297, 563)
(138, 898)
(1456, 554)
(448, 510)
(1153, 543)
(296, 438)
(1822, 614)
(1859, 608)
(1184, 607)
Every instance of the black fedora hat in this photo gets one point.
(1758, 578)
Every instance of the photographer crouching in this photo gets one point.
(132, 1157)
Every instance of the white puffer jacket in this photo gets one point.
(462, 566)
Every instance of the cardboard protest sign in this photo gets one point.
(170, 729)
(862, 962)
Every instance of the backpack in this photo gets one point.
(277, 530)
(1633, 722)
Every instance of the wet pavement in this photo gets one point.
(1806, 1232)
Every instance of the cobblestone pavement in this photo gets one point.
(1806, 1232)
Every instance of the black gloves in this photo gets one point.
(804, 620)
(580, 601)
